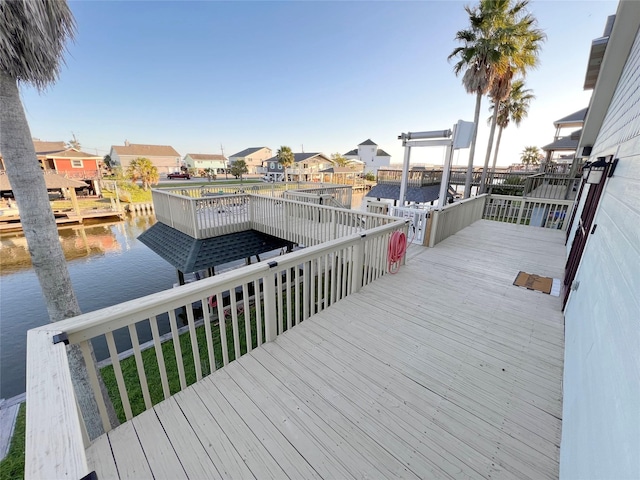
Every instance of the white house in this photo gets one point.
(202, 161)
(164, 157)
(601, 384)
(307, 167)
(253, 157)
(372, 156)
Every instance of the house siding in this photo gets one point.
(601, 406)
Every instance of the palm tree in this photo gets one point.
(340, 161)
(144, 170)
(476, 58)
(514, 108)
(286, 158)
(32, 40)
(530, 156)
(514, 29)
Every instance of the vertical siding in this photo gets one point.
(601, 408)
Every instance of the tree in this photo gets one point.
(484, 56)
(520, 43)
(239, 168)
(74, 142)
(32, 41)
(210, 173)
(340, 161)
(475, 58)
(515, 108)
(530, 156)
(286, 158)
(107, 161)
(144, 170)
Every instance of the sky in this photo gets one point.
(316, 76)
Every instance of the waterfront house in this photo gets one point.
(445, 369)
(372, 156)
(253, 157)
(202, 161)
(55, 157)
(164, 157)
(306, 167)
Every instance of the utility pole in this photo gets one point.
(226, 167)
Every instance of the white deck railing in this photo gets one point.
(237, 311)
(536, 212)
(452, 218)
(296, 221)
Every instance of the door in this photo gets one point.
(584, 229)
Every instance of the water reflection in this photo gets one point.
(107, 266)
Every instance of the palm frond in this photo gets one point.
(33, 34)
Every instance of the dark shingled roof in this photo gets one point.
(414, 194)
(575, 117)
(368, 142)
(247, 151)
(569, 142)
(189, 255)
(382, 153)
(352, 152)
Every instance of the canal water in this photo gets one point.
(107, 264)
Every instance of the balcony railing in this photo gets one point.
(416, 178)
(536, 212)
(300, 222)
(227, 316)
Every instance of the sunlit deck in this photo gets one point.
(443, 370)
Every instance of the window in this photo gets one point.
(272, 165)
(279, 166)
(76, 163)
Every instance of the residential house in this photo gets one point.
(601, 386)
(372, 156)
(202, 161)
(307, 167)
(563, 148)
(253, 157)
(69, 162)
(164, 157)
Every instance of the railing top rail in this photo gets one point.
(462, 202)
(554, 201)
(141, 308)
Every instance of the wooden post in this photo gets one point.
(74, 202)
(270, 319)
(358, 265)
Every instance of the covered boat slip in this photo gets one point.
(443, 370)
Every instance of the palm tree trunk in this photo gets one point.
(483, 179)
(41, 232)
(472, 150)
(495, 154)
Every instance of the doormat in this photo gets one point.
(534, 282)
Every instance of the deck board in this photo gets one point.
(444, 370)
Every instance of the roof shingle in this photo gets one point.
(143, 150)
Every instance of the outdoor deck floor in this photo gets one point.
(443, 370)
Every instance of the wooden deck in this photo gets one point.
(443, 370)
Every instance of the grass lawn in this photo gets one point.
(12, 467)
(149, 360)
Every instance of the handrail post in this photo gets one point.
(194, 218)
(270, 318)
(521, 210)
(435, 214)
(358, 265)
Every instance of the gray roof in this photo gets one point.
(247, 151)
(414, 194)
(575, 117)
(368, 142)
(352, 152)
(569, 142)
(190, 255)
(53, 181)
(382, 153)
